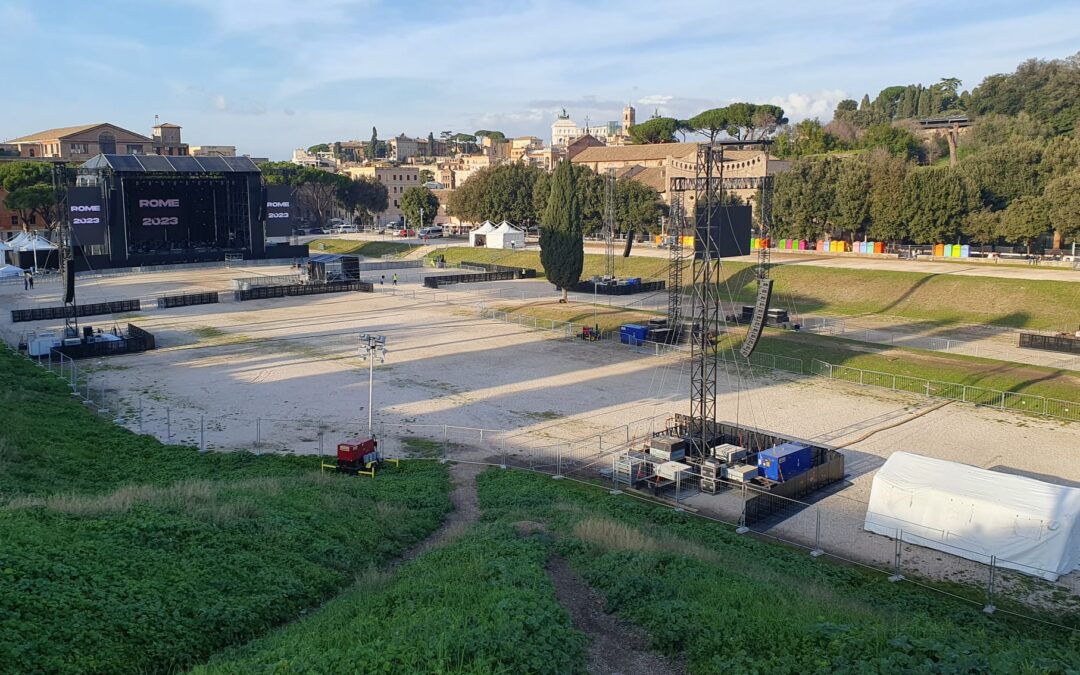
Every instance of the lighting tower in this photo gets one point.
(372, 347)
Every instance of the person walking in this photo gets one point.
(26, 280)
(395, 279)
(382, 280)
(30, 280)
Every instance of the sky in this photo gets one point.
(269, 76)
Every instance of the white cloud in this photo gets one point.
(798, 106)
(219, 102)
(655, 99)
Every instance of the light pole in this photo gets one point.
(372, 347)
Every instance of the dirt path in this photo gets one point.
(466, 511)
(617, 648)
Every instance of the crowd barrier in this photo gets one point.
(264, 292)
(187, 299)
(93, 309)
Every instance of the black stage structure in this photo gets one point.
(164, 210)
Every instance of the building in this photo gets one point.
(656, 164)
(212, 150)
(565, 131)
(397, 180)
(80, 143)
(401, 148)
(320, 160)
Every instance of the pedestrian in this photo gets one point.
(382, 280)
(26, 280)
(30, 277)
(395, 279)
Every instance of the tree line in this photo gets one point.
(1013, 192)
(320, 192)
(519, 193)
(31, 193)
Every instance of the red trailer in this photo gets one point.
(358, 456)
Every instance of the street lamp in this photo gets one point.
(371, 347)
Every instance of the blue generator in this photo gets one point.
(785, 461)
(633, 334)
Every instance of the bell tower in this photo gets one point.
(628, 119)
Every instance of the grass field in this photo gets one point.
(731, 603)
(120, 554)
(940, 299)
(482, 604)
(608, 318)
(371, 249)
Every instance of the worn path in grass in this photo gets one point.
(466, 511)
(617, 647)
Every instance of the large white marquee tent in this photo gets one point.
(1024, 524)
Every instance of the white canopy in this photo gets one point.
(33, 242)
(7, 271)
(485, 229)
(4, 246)
(506, 236)
(1028, 525)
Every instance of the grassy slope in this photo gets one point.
(371, 249)
(732, 603)
(482, 604)
(938, 298)
(123, 555)
(608, 318)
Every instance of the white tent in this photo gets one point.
(1026, 524)
(35, 243)
(478, 237)
(9, 271)
(506, 236)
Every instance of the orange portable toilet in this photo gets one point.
(879, 247)
(821, 245)
(939, 250)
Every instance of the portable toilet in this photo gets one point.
(965, 251)
(956, 250)
(879, 247)
(947, 251)
(821, 244)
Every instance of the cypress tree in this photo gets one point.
(561, 248)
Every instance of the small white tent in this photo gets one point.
(1026, 524)
(10, 271)
(478, 237)
(35, 243)
(506, 236)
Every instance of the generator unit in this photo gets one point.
(740, 473)
(730, 454)
(668, 448)
(785, 461)
(710, 472)
(358, 456)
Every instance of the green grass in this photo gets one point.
(371, 249)
(731, 603)
(921, 363)
(482, 604)
(120, 554)
(941, 299)
(607, 318)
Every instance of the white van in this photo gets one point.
(348, 229)
(430, 232)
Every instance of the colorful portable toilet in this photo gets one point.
(965, 251)
(956, 250)
(879, 247)
(947, 252)
(939, 250)
(688, 241)
(802, 244)
(821, 245)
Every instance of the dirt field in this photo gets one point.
(276, 372)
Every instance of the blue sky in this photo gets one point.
(272, 75)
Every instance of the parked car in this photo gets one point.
(316, 230)
(348, 229)
(406, 232)
(430, 232)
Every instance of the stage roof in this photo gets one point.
(167, 164)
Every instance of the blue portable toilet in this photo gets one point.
(785, 461)
(965, 251)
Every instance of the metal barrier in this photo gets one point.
(186, 300)
(93, 309)
(265, 292)
(1055, 343)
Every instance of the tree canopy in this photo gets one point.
(416, 198)
(562, 252)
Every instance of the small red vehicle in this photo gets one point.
(359, 456)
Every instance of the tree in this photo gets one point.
(655, 130)
(982, 226)
(318, 191)
(637, 206)
(321, 147)
(886, 195)
(279, 173)
(426, 176)
(493, 135)
(562, 251)
(419, 205)
(804, 199)
(1006, 172)
(846, 110)
(896, 141)
(431, 144)
(31, 193)
(749, 121)
(709, 123)
(503, 192)
(1026, 219)
(364, 196)
(373, 145)
(852, 207)
(1062, 197)
(936, 202)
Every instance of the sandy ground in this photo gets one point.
(283, 374)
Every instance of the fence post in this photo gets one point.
(678, 486)
(202, 432)
(989, 608)
(258, 433)
(50, 360)
(140, 415)
(481, 434)
(102, 407)
(896, 575)
(503, 453)
(615, 477)
(558, 463)
(817, 533)
(1002, 406)
(168, 425)
(742, 528)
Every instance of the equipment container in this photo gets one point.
(668, 448)
(785, 461)
(740, 473)
(633, 334)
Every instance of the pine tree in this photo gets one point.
(370, 149)
(431, 144)
(561, 248)
(864, 104)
